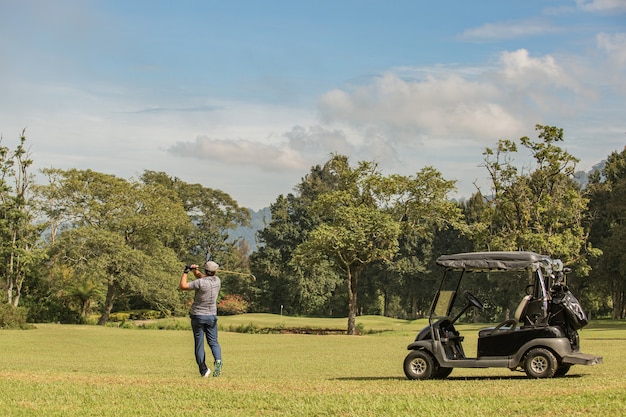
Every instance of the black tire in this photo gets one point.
(562, 370)
(419, 364)
(540, 363)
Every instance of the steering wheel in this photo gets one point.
(473, 300)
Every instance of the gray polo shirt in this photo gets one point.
(205, 298)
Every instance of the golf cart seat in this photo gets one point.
(510, 324)
(530, 311)
(521, 309)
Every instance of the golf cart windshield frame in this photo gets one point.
(486, 262)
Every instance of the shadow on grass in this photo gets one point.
(450, 378)
(368, 378)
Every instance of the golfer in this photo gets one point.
(204, 314)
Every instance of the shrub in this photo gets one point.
(146, 315)
(232, 304)
(136, 315)
(13, 317)
(119, 316)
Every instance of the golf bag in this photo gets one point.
(564, 304)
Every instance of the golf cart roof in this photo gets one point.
(493, 261)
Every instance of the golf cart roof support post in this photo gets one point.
(544, 292)
(435, 301)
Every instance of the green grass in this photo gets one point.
(59, 370)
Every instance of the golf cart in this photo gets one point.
(542, 339)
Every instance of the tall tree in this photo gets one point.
(542, 210)
(361, 219)
(19, 235)
(354, 233)
(126, 235)
(212, 212)
(607, 191)
(282, 283)
(421, 203)
(537, 207)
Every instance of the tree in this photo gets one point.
(283, 283)
(607, 192)
(542, 210)
(124, 235)
(362, 217)
(212, 213)
(355, 235)
(420, 203)
(18, 234)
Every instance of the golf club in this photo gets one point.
(238, 273)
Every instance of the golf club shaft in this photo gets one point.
(237, 273)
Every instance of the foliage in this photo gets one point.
(19, 235)
(120, 238)
(282, 284)
(12, 317)
(212, 213)
(541, 210)
(232, 304)
(362, 218)
(144, 314)
(607, 191)
(349, 241)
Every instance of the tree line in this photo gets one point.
(348, 240)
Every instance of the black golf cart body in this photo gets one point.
(542, 339)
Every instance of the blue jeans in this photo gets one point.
(205, 326)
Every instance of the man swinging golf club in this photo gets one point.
(203, 314)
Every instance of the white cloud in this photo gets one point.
(242, 152)
(501, 101)
(614, 45)
(293, 151)
(509, 30)
(616, 6)
(445, 105)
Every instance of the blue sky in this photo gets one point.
(247, 96)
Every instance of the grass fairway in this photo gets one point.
(60, 370)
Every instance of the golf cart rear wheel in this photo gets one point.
(419, 364)
(562, 370)
(540, 363)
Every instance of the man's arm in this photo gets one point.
(184, 285)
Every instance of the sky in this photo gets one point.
(246, 96)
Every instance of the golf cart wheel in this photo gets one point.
(419, 365)
(562, 370)
(540, 363)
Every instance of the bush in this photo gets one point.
(232, 304)
(166, 324)
(119, 316)
(136, 315)
(13, 317)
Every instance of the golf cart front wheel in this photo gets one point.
(540, 363)
(419, 365)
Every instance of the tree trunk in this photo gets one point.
(352, 304)
(385, 304)
(108, 304)
(617, 297)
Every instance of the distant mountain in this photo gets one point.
(258, 221)
(583, 177)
